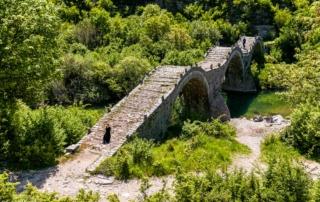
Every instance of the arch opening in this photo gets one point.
(191, 103)
(234, 75)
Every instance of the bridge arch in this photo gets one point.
(234, 73)
(193, 88)
(193, 92)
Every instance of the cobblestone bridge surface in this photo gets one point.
(147, 109)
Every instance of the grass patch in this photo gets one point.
(201, 146)
(273, 148)
(199, 153)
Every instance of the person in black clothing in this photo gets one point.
(244, 42)
(107, 135)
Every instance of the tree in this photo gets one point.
(28, 46)
(157, 22)
(179, 37)
(29, 54)
(304, 131)
(127, 74)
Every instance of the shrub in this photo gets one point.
(127, 74)
(282, 181)
(141, 151)
(214, 128)
(35, 138)
(113, 198)
(7, 189)
(84, 79)
(187, 57)
(122, 170)
(304, 131)
(315, 191)
(286, 181)
(275, 76)
(179, 37)
(86, 33)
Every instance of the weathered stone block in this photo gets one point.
(72, 148)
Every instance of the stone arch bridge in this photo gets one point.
(147, 108)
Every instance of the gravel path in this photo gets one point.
(70, 176)
(252, 133)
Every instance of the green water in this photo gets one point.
(263, 103)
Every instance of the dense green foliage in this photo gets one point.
(29, 48)
(304, 131)
(38, 137)
(282, 181)
(107, 54)
(298, 45)
(201, 146)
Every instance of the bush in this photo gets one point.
(35, 138)
(127, 74)
(286, 181)
(121, 167)
(113, 198)
(282, 181)
(179, 37)
(214, 128)
(315, 191)
(84, 80)
(7, 189)
(304, 131)
(141, 151)
(129, 160)
(187, 57)
(275, 76)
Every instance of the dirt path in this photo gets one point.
(252, 133)
(70, 176)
